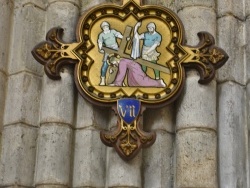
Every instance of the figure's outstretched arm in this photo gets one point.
(119, 35)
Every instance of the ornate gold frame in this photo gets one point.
(176, 56)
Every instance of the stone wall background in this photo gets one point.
(50, 135)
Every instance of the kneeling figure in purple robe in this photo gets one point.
(135, 74)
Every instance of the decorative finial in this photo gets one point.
(136, 1)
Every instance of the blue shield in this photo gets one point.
(128, 109)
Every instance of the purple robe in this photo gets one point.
(136, 76)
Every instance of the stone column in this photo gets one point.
(89, 151)
(231, 92)
(85, 5)
(247, 52)
(196, 129)
(6, 10)
(158, 159)
(21, 119)
(53, 166)
(166, 3)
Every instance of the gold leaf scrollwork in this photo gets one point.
(215, 55)
(205, 57)
(128, 148)
(45, 51)
(127, 145)
(53, 53)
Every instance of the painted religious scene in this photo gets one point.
(131, 54)
(117, 70)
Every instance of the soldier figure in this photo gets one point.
(107, 38)
(151, 40)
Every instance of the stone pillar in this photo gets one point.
(89, 152)
(196, 129)
(21, 119)
(247, 52)
(232, 135)
(87, 4)
(158, 159)
(119, 173)
(231, 92)
(166, 3)
(6, 8)
(53, 166)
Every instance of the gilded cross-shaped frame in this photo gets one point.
(129, 57)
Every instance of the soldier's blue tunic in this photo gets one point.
(151, 39)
